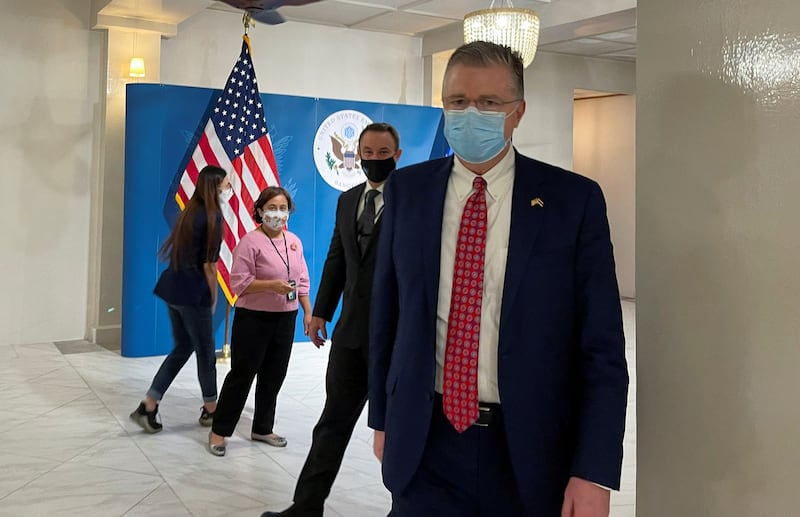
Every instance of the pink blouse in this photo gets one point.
(256, 258)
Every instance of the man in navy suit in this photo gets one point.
(498, 380)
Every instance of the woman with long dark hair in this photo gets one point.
(189, 287)
(270, 275)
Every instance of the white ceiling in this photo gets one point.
(619, 45)
(582, 93)
(161, 11)
(599, 28)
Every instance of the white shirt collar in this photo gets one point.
(498, 178)
(368, 187)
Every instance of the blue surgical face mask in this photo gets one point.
(475, 136)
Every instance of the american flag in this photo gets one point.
(235, 138)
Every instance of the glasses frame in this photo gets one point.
(485, 104)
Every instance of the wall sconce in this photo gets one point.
(137, 67)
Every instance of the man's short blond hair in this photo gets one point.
(484, 53)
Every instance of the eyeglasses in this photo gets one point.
(483, 104)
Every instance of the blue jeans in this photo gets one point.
(192, 332)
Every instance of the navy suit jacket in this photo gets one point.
(562, 373)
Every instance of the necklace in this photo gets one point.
(285, 248)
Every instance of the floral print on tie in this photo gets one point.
(460, 383)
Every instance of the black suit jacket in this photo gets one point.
(347, 273)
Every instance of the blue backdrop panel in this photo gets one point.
(163, 125)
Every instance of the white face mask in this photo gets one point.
(275, 219)
(226, 195)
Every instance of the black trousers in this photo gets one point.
(261, 343)
(346, 389)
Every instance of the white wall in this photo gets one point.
(605, 150)
(545, 132)
(717, 249)
(298, 59)
(49, 98)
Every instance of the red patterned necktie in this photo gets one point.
(460, 383)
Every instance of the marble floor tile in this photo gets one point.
(63, 377)
(75, 489)
(117, 453)
(39, 399)
(63, 432)
(69, 447)
(361, 502)
(18, 470)
(229, 484)
(161, 502)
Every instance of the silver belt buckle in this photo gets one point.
(481, 409)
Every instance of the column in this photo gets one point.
(105, 268)
(717, 251)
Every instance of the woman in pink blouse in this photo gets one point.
(270, 276)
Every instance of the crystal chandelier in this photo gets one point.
(513, 27)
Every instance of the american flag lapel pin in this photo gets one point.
(537, 201)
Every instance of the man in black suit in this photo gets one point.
(348, 271)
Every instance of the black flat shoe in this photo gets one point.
(206, 419)
(147, 420)
(294, 511)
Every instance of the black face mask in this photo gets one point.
(378, 170)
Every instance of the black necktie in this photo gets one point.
(366, 221)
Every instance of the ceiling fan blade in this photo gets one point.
(268, 16)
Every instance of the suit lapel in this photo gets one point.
(351, 240)
(526, 221)
(432, 213)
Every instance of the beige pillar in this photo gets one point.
(105, 269)
(718, 252)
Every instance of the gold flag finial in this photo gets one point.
(247, 21)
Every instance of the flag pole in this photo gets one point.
(225, 355)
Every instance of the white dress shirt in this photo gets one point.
(499, 186)
(378, 200)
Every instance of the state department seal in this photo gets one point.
(336, 149)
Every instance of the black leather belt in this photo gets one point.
(488, 412)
